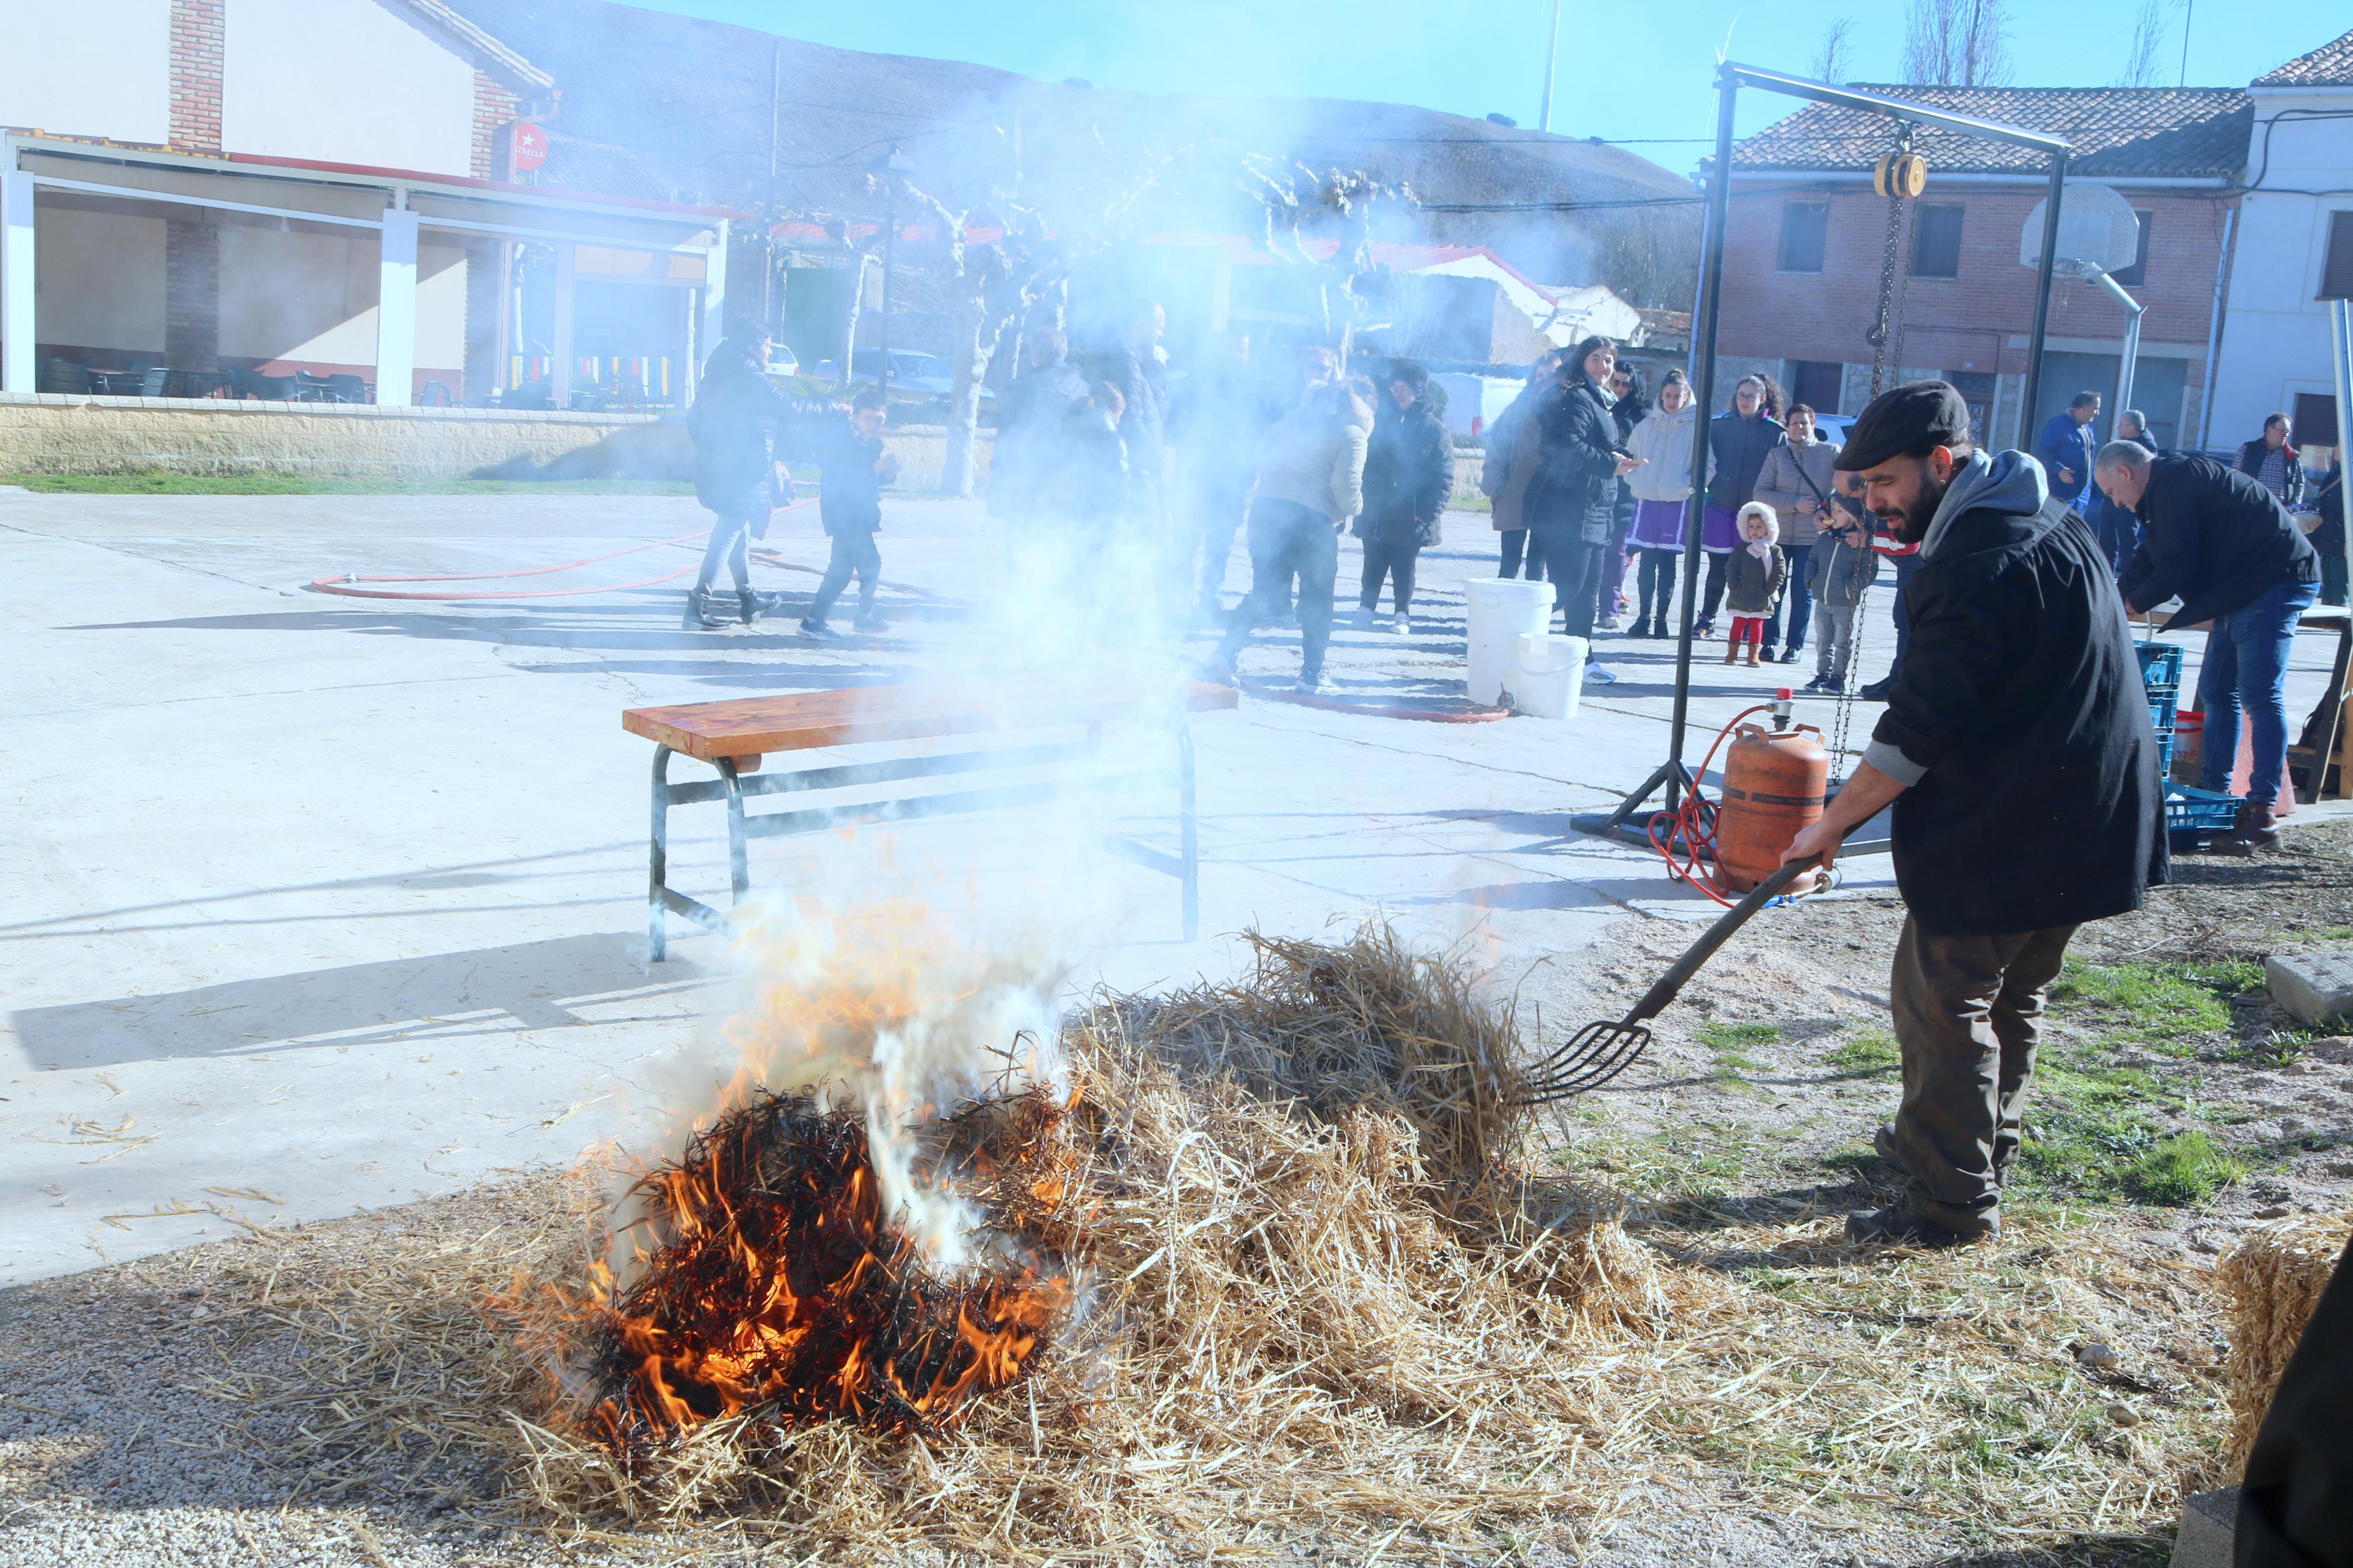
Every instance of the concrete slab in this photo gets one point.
(2209, 1522)
(319, 903)
(2314, 987)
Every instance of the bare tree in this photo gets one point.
(2140, 57)
(1835, 53)
(1302, 208)
(1957, 43)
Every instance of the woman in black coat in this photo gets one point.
(1572, 501)
(744, 425)
(1408, 478)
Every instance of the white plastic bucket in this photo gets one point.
(1546, 675)
(1501, 609)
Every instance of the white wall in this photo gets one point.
(342, 81)
(2276, 334)
(100, 280)
(310, 299)
(102, 68)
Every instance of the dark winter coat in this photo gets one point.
(1028, 453)
(1751, 586)
(744, 425)
(2018, 720)
(2328, 538)
(1576, 482)
(1408, 474)
(849, 492)
(2215, 537)
(1837, 572)
(1736, 449)
(1142, 387)
(2067, 445)
(1215, 418)
(2250, 462)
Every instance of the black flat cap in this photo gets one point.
(1918, 413)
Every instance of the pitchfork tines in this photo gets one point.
(1600, 1051)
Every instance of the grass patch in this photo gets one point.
(2182, 1171)
(148, 482)
(1732, 1036)
(1871, 1052)
(2091, 1136)
(2166, 1006)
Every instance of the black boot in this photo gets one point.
(749, 603)
(698, 611)
(2255, 829)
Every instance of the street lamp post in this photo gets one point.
(893, 168)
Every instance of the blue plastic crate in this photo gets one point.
(2189, 810)
(2161, 665)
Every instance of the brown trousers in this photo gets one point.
(1966, 1009)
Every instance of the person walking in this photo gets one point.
(2224, 542)
(1409, 479)
(1796, 482)
(2066, 450)
(1631, 408)
(742, 424)
(1571, 503)
(854, 467)
(1215, 418)
(1738, 440)
(2272, 462)
(1026, 465)
(1843, 565)
(1511, 462)
(1310, 475)
(2018, 753)
(1662, 489)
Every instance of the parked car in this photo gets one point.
(782, 362)
(1833, 427)
(913, 371)
(1474, 401)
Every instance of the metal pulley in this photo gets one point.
(1900, 176)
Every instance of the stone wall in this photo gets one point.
(50, 433)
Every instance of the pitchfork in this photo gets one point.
(1601, 1050)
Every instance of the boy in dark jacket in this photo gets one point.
(853, 469)
(1409, 477)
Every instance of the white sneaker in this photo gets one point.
(1607, 623)
(1600, 674)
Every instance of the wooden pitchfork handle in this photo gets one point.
(1655, 1001)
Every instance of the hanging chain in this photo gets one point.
(1888, 328)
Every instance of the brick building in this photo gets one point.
(1808, 236)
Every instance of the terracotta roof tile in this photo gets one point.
(2331, 64)
(2117, 132)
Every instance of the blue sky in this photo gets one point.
(1628, 71)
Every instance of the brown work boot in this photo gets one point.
(2255, 829)
(1901, 1224)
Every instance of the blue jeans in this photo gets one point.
(2246, 666)
(1797, 601)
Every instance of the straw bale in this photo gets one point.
(2272, 1282)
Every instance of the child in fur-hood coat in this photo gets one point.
(1754, 579)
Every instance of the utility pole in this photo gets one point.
(2189, 15)
(1552, 57)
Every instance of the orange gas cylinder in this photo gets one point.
(1774, 783)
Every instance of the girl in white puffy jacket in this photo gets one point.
(1662, 489)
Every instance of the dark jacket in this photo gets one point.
(1751, 586)
(2328, 538)
(2018, 720)
(2296, 1505)
(1576, 482)
(2250, 462)
(1216, 415)
(1736, 449)
(2215, 537)
(1409, 473)
(1030, 421)
(1142, 386)
(2067, 445)
(1838, 572)
(744, 425)
(850, 493)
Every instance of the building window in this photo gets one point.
(2336, 272)
(1815, 382)
(1805, 235)
(2135, 275)
(2315, 419)
(1937, 242)
(1977, 389)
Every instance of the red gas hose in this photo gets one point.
(1694, 823)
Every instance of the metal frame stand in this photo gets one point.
(1673, 775)
(734, 787)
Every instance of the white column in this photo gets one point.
(560, 347)
(395, 311)
(19, 366)
(714, 292)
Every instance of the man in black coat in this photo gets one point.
(1409, 479)
(743, 426)
(2018, 751)
(2223, 542)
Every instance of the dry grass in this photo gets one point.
(1331, 1305)
(2272, 1281)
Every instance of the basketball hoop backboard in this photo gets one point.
(2098, 232)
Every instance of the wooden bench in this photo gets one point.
(735, 737)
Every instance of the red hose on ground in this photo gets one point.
(1694, 823)
(1373, 710)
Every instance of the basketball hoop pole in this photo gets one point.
(1671, 776)
(2042, 294)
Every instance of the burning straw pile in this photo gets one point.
(1244, 1268)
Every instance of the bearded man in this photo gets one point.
(2018, 751)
